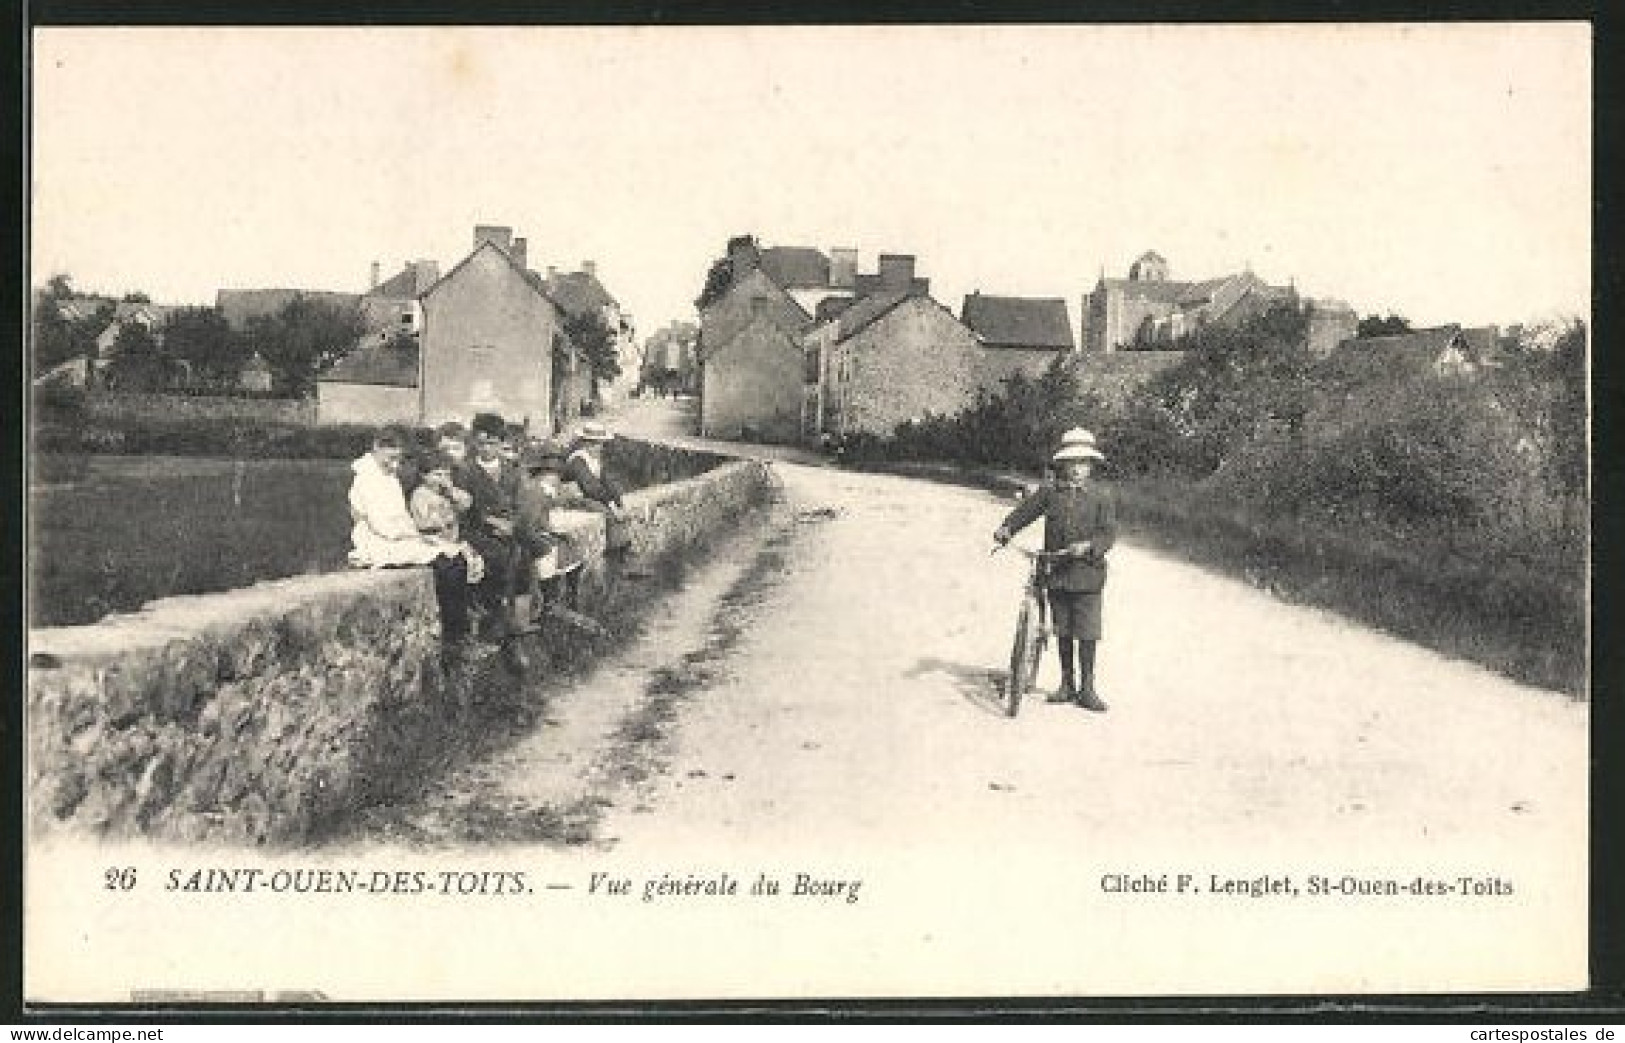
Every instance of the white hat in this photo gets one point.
(594, 432)
(1077, 444)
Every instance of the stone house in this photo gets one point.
(750, 361)
(491, 339)
(1018, 334)
(888, 358)
(1149, 310)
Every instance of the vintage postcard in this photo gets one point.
(553, 514)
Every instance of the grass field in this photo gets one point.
(108, 533)
(131, 529)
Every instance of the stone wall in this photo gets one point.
(257, 715)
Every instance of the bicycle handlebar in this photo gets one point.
(1039, 555)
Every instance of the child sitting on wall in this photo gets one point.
(437, 505)
(541, 490)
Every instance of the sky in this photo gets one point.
(1442, 172)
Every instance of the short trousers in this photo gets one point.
(1075, 614)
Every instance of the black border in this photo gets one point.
(1604, 1002)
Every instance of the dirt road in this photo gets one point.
(819, 702)
(1278, 800)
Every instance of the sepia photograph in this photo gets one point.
(648, 514)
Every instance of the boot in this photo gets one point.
(1088, 698)
(1068, 692)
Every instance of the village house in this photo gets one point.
(760, 375)
(888, 358)
(1440, 351)
(491, 340)
(1018, 334)
(750, 356)
(393, 306)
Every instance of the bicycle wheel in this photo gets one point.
(1022, 656)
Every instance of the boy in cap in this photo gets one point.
(1080, 518)
(492, 484)
(541, 489)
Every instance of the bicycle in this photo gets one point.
(1032, 630)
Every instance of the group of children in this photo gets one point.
(478, 508)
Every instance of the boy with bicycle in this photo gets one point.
(1080, 521)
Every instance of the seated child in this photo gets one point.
(437, 504)
(541, 489)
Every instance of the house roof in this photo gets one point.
(392, 365)
(865, 284)
(84, 307)
(769, 326)
(1415, 351)
(1484, 342)
(1019, 322)
(533, 280)
(795, 267)
(867, 311)
(238, 306)
(132, 309)
(578, 293)
(403, 285)
(831, 307)
(722, 325)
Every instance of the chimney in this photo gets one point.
(518, 251)
(552, 272)
(498, 234)
(742, 252)
(424, 275)
(375, 273)
(896, 271)
(843, 268)
(590, 267)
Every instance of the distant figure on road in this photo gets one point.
(384, 534)
(1080, 518)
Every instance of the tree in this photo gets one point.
(1374, 326)
(202, 338)
(140, 361)
(304, 338)
(136, 297)
(56, 337)
(595, 341)
(1232, 383)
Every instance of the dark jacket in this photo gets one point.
(496, 497)
(599, 487)
(601, 492)
(1072, 514)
